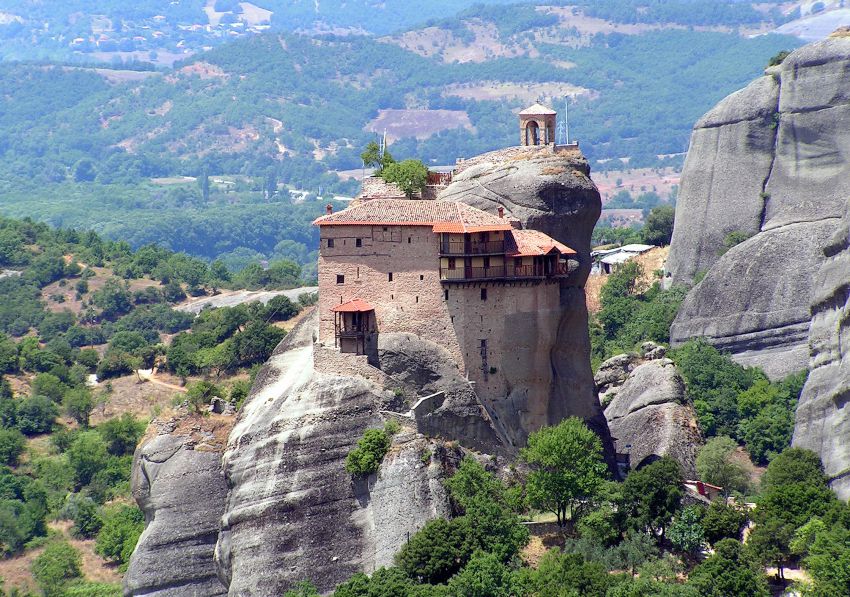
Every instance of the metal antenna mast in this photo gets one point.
(563, 132)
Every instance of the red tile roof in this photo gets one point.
(441, 216)
(353, 306)
(528, 243)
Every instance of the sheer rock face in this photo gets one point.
(551, 191)
(822, 420)
(293, 513)
(178, 484)
(649, 413)
(771, 161)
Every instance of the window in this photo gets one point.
(389, 277)
(483, 294)
(417, 299)
(358, 242)
(330, 243)
(446, 294)
(408, 240)
(340, 279)
(452, 264)
(486, 263)
(421, 277)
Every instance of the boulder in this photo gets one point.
(649, 417)
(182, 492)
(771, 161)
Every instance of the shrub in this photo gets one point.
(122, 526)
(57, 564)
(86, 516)
(366, 458)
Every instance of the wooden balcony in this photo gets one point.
(502, 272)
(494, 247)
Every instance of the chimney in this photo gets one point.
(329, 208)
(501, 212)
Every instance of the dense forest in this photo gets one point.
(260, 126)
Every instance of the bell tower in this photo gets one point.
(537, 125)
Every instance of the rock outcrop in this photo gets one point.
(548, 190)
(771, 161)
(822, 420)
(648, 414)
(178, 484)
(543, 189)
(293, 513)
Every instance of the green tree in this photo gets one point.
(658, 229)
(770, 543)
(565, 574)
(729, 571)
(113, 298)
(87, 455)
(121, 434)
(485, 575)
(652, 495)
(434, 553)
(302, 589)
(55, 566)
(12, 443)
(79, 403)
(686, 532)
(566, 468)
(36, 415)
(85, 171)
(716, 464)
(411, 176)
(45, 384)
(471, 482)
(723, 521)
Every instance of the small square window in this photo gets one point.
(340, 279)
(389, 276)
(358, 242)
(483, 294)
(330, 243)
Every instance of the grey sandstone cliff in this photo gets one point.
(648, 414)
(178, 484)
(822, 420)
(551, 191)
(293, 513)
(771, 161)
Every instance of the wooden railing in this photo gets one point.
(472, 248)
(502, 272)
